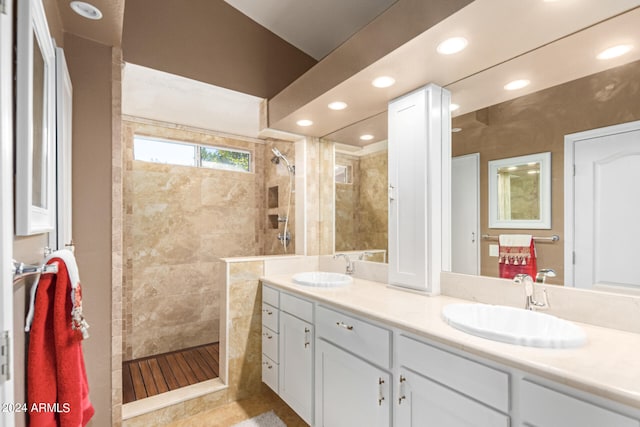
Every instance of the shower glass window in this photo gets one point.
(187, 154)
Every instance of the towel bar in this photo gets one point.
(553, 238)
(21, 270)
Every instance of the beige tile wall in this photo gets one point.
(361, 207)
(178, 221)
(244, 380)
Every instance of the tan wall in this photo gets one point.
(217, 45)
(361, 207)
(91, 74)
(537, 123)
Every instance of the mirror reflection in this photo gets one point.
(530, 124)
(360, 202)
(519, 190)
(39, 168)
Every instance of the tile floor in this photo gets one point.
(235, 412)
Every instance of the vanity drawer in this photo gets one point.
(481, 382)
(543, 406)
(357, 336)
(270, 343)
(270, 373)
(298, 307)
(270, 317)
(270, 296)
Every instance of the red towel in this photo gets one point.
(517, 259)
(57, 388)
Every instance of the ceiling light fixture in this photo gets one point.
(453, 107)
(366, 137)
(304, 122)
(338, 105)
(516, 84)
(452, 45)
(86, 10)
(614, 51)
(383, 81)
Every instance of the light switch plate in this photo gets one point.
(493, 250)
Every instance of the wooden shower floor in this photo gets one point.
(165, 372)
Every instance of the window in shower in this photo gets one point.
(187, 154)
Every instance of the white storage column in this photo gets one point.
(419, 188)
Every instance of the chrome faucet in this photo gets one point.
(529, 291)
(350, 267)
(544, 273)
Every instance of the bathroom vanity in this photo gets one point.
(366, 354)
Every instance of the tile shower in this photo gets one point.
(178, 221)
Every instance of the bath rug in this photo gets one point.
(268, 419)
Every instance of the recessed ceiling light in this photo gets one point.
(86, 10)
(453, 107)
(456, 129)
(614, 51)
(452, 45)
(516, 84)
(338, 105)
(304, 122)
(366, 137)
(383, 81)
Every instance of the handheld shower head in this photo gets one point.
(279, 156)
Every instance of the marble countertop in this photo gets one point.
(607, 366)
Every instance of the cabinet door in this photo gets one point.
(425, 403)
(350, 392)
(407, 190)
(296, 365)
(419, 188)
(544, 407)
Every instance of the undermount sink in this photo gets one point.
(322, 279)
(514, 325)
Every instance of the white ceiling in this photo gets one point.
(156, 95)
(314, 26)
(547, 42)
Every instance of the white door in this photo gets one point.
(603, 220)
(6, 199)
(350, 391)
(465, 214)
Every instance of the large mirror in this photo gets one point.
(35, 123)
(522, 126)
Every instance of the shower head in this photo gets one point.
(277, 156)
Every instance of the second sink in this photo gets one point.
(322, 279)
(514, 325)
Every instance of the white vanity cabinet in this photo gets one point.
(270, 336)
(296, 355)
(288, 349)
(545, 407)
(438, 388)
(353, 379)
(419, 170)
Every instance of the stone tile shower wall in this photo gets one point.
(178, 221)
(361, 207)
(276, 192)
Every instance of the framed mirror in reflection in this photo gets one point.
(520, 192)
